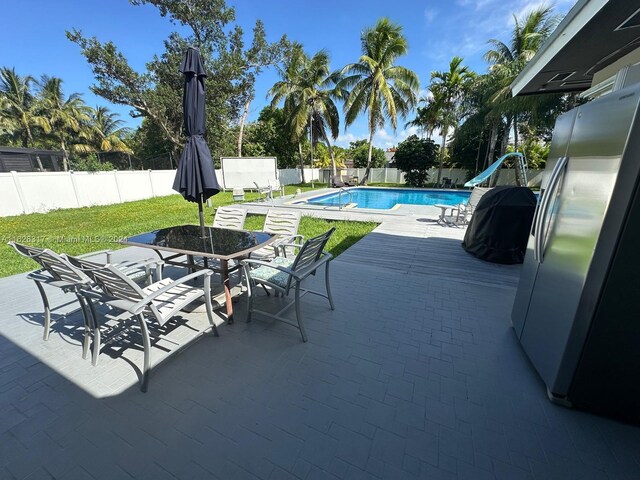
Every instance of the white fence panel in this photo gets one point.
(162, 182)
(97, 188)
(43, 191)
(10, 203)
(134, 185)
(289, 176)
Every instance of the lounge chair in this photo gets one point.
(284, 274)
(156, 303)
(337, 182)
(461, 214)
(266, 192)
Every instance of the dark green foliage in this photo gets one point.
(415, 156)
(156, 94)
(359, 152)
(271, 134)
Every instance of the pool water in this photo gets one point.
(386, 198)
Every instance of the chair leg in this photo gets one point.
(96, 335)
(47, 311)
(326, 282)
(250, 287)
(207, 302)
(146, 342)
(87, 326)
(299, 313)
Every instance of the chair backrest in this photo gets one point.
(474, 198)
(337, 181)
(228, 217)
(111, 281)
(311, 250)
(55, 265)
(282, 222)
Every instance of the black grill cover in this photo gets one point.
(499, 228)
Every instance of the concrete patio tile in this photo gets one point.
(416, 374)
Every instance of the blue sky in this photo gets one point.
(34, 40)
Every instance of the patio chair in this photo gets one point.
(55, 271)
(461, 214)
(156, 303)
(229, 217)
(337, 182)
(279, 222)
(266, 193)
(284, 274)
(464, 211)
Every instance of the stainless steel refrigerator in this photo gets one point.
(577, 308)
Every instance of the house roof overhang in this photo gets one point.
(593, 35)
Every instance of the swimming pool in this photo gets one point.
(387, 198)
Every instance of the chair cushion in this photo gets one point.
(272, 275)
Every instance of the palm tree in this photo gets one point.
(507, 61)
(427, 117)
(107, 132)
(102, 132)
(309, 91)
(448, 89)
(65, 116)
(376, 85)
(18, 107)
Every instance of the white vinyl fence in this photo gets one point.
(39, 192)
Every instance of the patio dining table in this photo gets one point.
(220, 244)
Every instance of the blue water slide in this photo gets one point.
(492, 168)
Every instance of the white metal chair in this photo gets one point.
(229, 217)
(284, 274)
(156, 303)
(55, 271)
(461, 214)
(279, 222)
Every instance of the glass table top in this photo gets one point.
(188, 238)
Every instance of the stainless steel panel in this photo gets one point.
(597, 142)
(561, 136)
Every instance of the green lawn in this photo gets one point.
(82, 230)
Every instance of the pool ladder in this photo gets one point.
(342, 189)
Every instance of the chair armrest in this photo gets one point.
(107, 253)
(140, 306)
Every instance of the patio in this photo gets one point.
(416, 374)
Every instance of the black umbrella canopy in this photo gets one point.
(196, 177)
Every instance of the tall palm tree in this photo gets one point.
(448, 89)
(18, 107)
(376, 85)
(309, 91)
(427, 117)
(66, 116)
(507, 61)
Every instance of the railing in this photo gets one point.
(342, 189)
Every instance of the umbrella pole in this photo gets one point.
(201, 215)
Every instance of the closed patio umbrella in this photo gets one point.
(196, 177)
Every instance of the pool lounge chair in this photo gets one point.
(337, 182)
(461, 214)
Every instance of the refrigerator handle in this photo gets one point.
(542, 211)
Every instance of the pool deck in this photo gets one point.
(416, 374)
